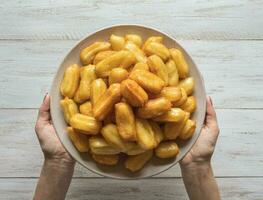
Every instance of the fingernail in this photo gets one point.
(211, 100)
(45, 96)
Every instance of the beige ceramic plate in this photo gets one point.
(155, 166)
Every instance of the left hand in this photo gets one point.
(49, 142)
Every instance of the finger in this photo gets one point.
(210, 119)
(43, 113)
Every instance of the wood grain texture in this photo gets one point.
(155, 189)
(206, 20)
(231, 69)
(238, 151)
(224, 37)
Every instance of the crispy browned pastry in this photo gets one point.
(154, 108)
(135, 163)
(167, 149)
(133, 93)
(147, 80)
(81, 141)
(125, 121)
(70, 81)
(69, 108)
(106, 159)
(85, 124)
(107, 101)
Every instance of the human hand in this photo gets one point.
(203, 149)
(49, 142)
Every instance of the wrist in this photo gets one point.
(197, 171)
(59, 163)
(198, 176)
(199, 181)
(193, 166)
(55, 178)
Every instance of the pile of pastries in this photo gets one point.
(128, 97)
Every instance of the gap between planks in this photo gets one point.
(179, 178)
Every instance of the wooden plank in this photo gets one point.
(155, 189)
(238, 152)
(206, 20)
(232, 70)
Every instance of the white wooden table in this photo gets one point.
(225, 38)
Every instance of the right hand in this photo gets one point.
(203, 149)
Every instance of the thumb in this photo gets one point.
(43, 113)
(210, 119)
